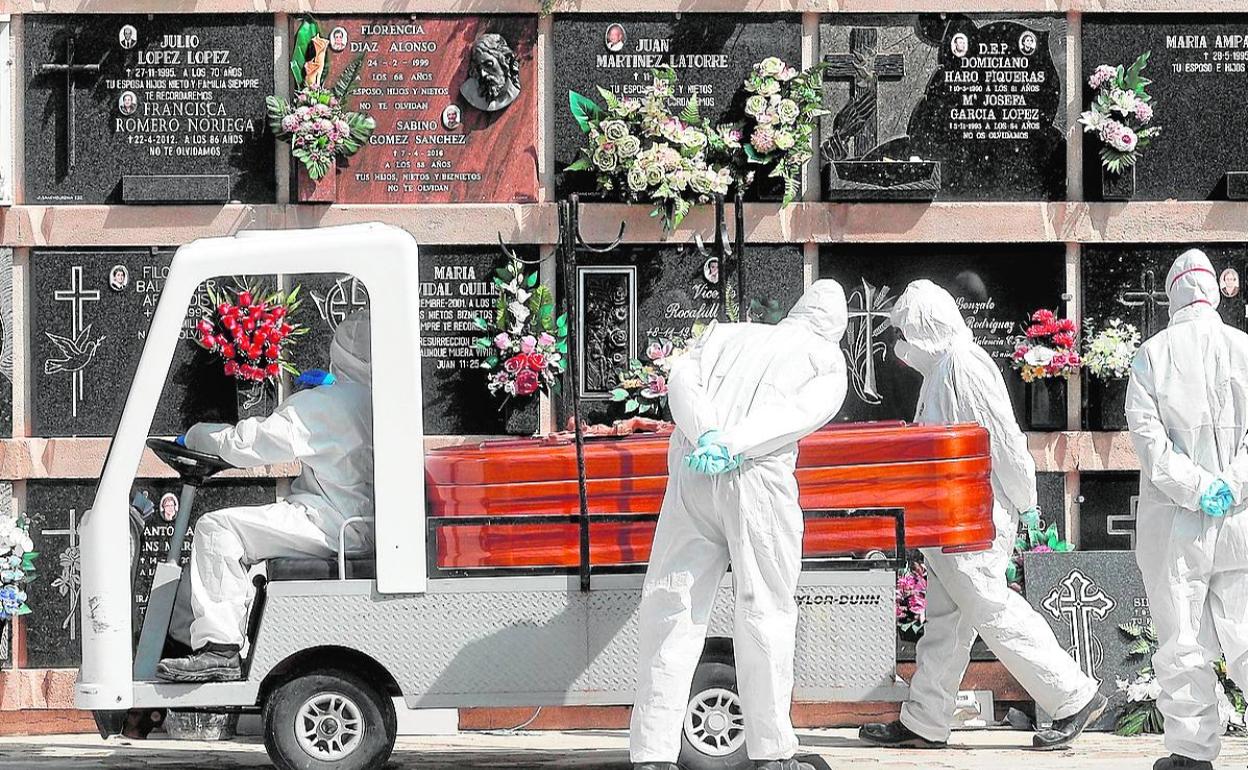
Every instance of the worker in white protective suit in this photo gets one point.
(329, 429)
(1187, 407)
(967, 592)
(741, 398)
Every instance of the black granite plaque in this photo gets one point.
(327, 299)
(55, 509)
(1199, 69)
(641, 294)
(148, 108)
(1085, 596)
(1128, 281)
(986, 283)
(90, 311)
(1051, 496)
(711, 53)
(944, 106)
(1107, 508)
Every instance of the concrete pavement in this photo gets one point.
(595, 750)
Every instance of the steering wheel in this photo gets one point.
(194, 468)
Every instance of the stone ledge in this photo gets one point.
(609, 6)
(811, 222)
(1082, 451)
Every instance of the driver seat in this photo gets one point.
(357, 565)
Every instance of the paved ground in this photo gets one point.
(594, 750)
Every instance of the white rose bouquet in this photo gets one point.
(1121, 114)
(1109, 351)
(641, 152)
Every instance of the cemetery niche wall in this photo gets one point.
(944, 106)
(711, 54)
(985, 282)
(1199, 69)
(442, 134)
(164, 108)
(55, 510)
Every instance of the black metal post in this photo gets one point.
(570, 229)
(743, 306)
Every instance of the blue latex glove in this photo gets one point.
(712, 460)
(1030, 518)
(1217, 499)
(710, 437)
(314, 378)
(180, 441)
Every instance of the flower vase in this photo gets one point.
(1107, 404)
(1046, 404)
(255, 399)
(323, 190)
(1118, 187)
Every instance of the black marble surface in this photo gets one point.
(1085, 596)
(1128, 281)
(55, 510)
(1107, 510)
(198, 83)
(986, 279)
(88, 337)
(1199, 73)
(733, 43)
(988, 124)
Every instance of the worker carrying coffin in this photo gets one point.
(741, 398)
(329, 430)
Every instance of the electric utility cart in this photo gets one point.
(515, 578)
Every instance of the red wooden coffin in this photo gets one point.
(939, 475)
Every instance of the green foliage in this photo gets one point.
(348, 79)
(299, 51)
(584, 110)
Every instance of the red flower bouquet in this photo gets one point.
(251, 332)
(1048, 348)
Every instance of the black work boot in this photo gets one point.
(896, 735)
(782, 764)
(1180, 762)
(656, 766)
(1064, 731)
(211, 663)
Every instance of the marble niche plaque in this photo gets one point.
(641, 294)
(162, 108)
(982, 279)
(55, 510)
(455, 100)
(1199, 69)
(89, 315)
(1085, 596)
(944, 106)
(711, 53)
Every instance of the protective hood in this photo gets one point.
(350, 354)
(929, 318)
(822, 308)
(1191, 281)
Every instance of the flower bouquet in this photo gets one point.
(781, 116)
(1046, 357)
(1034, 537)
(1120, 115)
(251, 332)
(17, 565)
(524, 343)
(316, 121)
(1107, 358)
(640, 151)
(912, 600)
(643, 387)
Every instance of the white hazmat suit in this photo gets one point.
(764, 387)
(329, 430)
(1187, 407)
(967, 592)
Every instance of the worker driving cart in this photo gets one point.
(329, 429)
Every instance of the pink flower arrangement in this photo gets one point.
(911, 607)
(1121, 113)
(1048, 347)
(523, 344)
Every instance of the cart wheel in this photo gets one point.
(713, 737)
(328, 720)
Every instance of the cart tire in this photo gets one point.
(713, 735)
(329, 720)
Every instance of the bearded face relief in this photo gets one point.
(493, 74)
